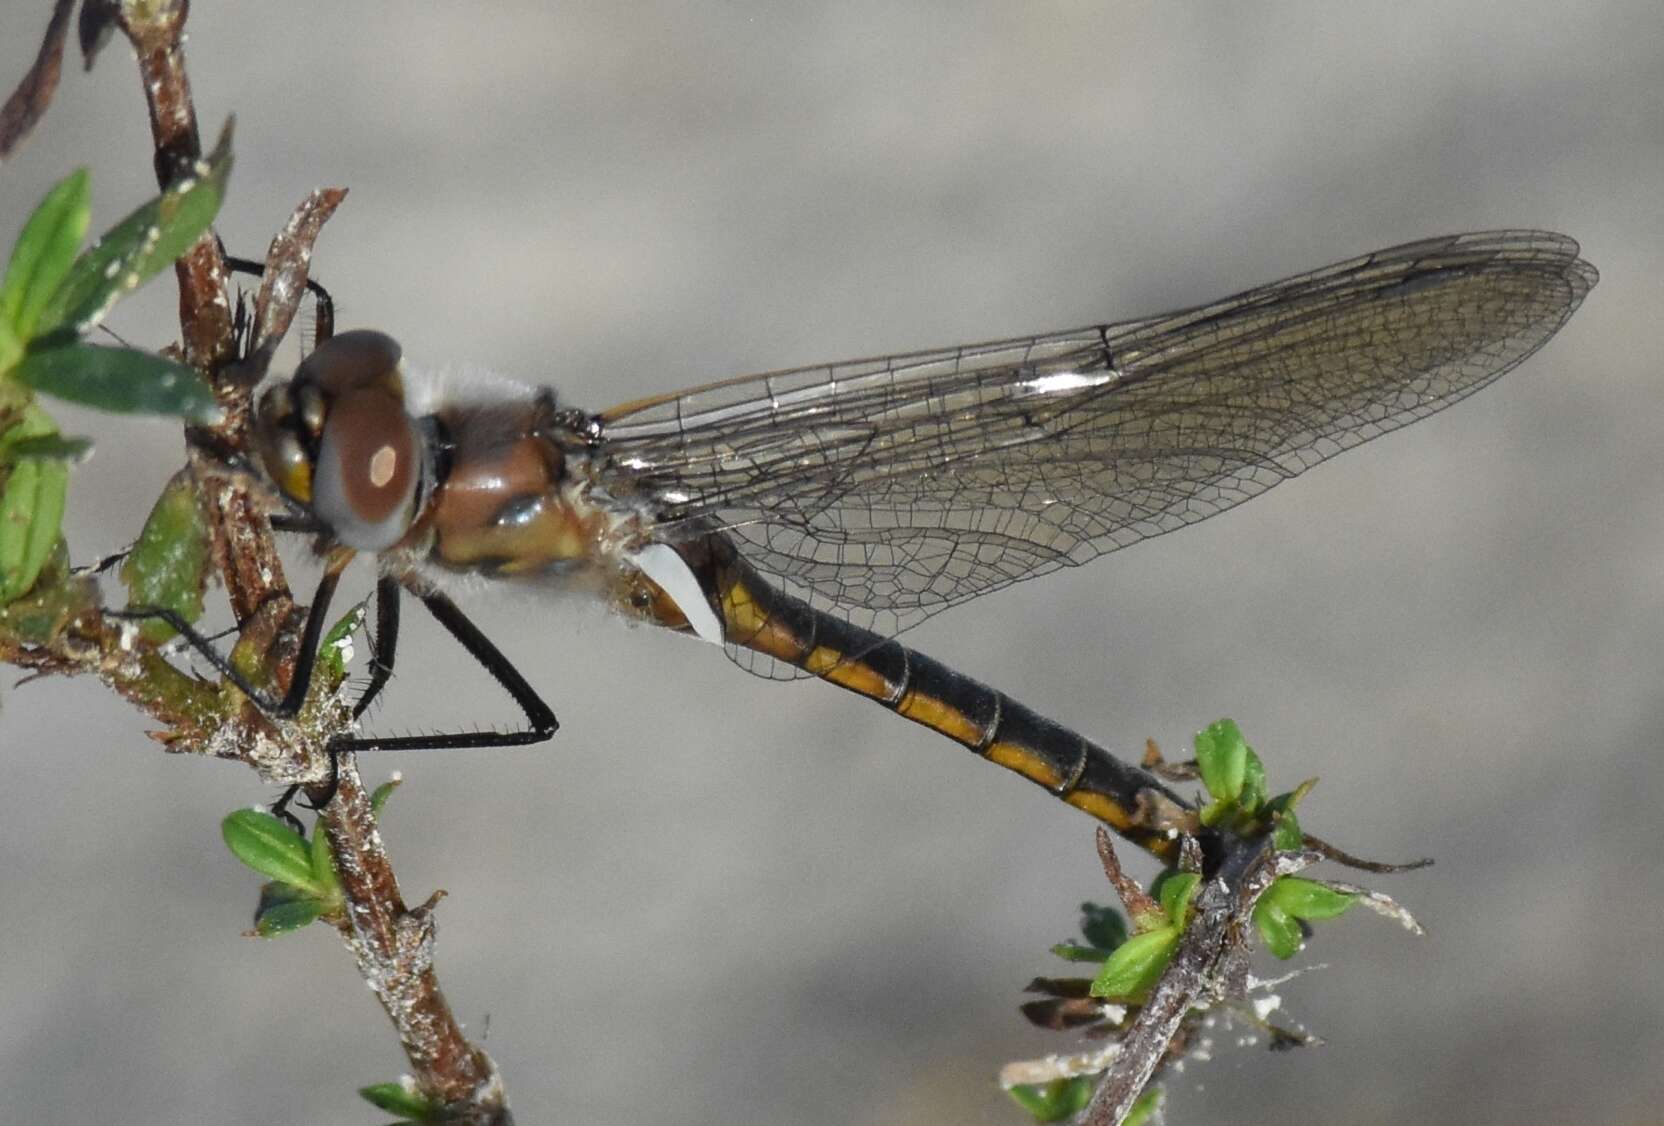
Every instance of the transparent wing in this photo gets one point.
(888, 489)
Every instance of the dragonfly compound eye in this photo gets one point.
(369, 465)
(283, 444)
(289, 425)
(336, 439)
(349, 360)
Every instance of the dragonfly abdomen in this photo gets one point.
(759, 617)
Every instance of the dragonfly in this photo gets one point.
(804, 518)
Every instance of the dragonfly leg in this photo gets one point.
(301, 525)
(289, 704)
(323, 303)
(280, 808)
(541, 723)
(384, 645)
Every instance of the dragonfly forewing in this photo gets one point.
(886, 490)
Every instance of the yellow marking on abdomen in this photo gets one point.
(1109, 812)
(856, 676)
(750, 623)
(941, 716)
(741, 613)
(746, 622)
(1018, 758)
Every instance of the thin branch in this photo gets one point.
(62, 629)
(1346, 859)
(288, 262)
(1209, 965)
(156, 30)
(27, 103)
(1137, 901)
(394, 948)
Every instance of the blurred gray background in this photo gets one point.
(716, 899)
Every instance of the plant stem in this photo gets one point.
(60, 628)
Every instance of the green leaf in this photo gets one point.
(168, 566)
(32, 425)
(269, 846)
(52, 447)
(46, 521)
(1214, 812)
(123, 380)
(56, 600)
(323, 865)
(1073, 952)
(284, 908)
(32, 492)
(44, 252)
(1056, 1100)
(1254, 791)
(134, 250)
(11, 350)
(18, 506)
(1141, 1111)
(1222, 759)
(383, 792)
(401, 1098)
(1286, 835)
(1280, 933)
(1136, 965)
(1174, 890)
(1103, 926)
(1309, 899)
(335, 650)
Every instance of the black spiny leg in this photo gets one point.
(288, 706)
(541, 723)
(305, 661)
(322, 303)
(385, 644)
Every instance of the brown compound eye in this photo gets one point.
(292, 418)
(281, 450)
(350, 360)
(369, 465)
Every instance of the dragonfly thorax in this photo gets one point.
(486, 483)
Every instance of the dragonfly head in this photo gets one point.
(337, 440)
